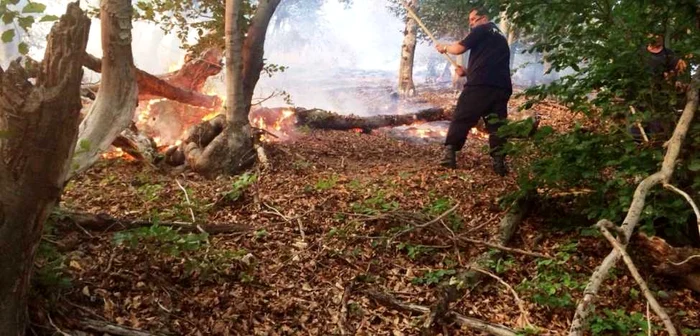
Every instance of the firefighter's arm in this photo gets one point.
(460, 71)
(454, 48)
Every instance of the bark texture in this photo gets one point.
(116, 101)
(408, 51)
(38, 131)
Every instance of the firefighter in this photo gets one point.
(487, 91)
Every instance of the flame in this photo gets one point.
(116, 153)
(176, 65)
(279, 121)
(210, 116)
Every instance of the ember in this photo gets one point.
(278, 121)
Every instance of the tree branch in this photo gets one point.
(585, 306)
(635, 273)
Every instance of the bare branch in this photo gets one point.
(687, 198)
(420, 226)
(642, 284)
(521, 304)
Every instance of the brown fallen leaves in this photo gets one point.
(320, 221)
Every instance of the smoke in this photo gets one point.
(339, 58)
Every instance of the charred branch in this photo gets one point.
(106, 223)
(320, 119)
(183, 86)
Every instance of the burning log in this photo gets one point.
(195, 139)
(183, 86)
(320, 119)
(676, 262)
(136, 144)
(280, 121)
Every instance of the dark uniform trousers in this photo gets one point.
(487, 102)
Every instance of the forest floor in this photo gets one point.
(323, 229)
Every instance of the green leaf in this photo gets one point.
(33, 7)
(48, 18)
(8, 35)
(26, 22)
(23, 48)
(8, 17)
(694, 165)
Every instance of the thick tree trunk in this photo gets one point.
(38, 131)
(116, 101)
(408, 51)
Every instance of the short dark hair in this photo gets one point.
(481, 11)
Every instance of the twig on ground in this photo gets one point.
(521, 304)
(189, 206)
(639, 126)
(505, 249)
(635, 273)
(686, 260)
(262, 157)
(56, 327)
(687, 198)
(301, 229)
(648, 320)
(343, 315)
(112, 329)
(419, 226)
(109, 263)
(476, 324)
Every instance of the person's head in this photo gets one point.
(477, 17)
(656, 40)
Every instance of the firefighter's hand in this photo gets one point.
(459, 70)
(681, 66)
(441, 48)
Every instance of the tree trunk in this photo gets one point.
(408, 51)
(232, 150)
(38, 131)
(116, 101)
(254, 48)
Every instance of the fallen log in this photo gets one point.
(197, 137)
(136, 144)
(321, 119)
(183, 86)
(453, 289)
(104, 222)
(682, 263)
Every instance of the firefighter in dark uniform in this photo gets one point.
(487, 91)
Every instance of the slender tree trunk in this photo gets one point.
(116, 101)
(38, 131)
(408, 51)
(254, 48)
